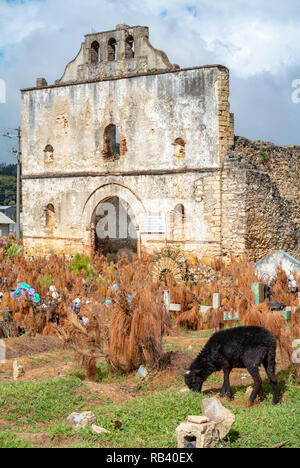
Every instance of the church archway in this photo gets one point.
(115, 228)
(94, 211)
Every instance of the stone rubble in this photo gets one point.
(215, 411)
(18, 370)
(81, 420)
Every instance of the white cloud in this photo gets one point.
(254, 38)
(245, 37)
(18, 21)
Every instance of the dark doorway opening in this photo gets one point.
(115, 229)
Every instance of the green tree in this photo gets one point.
(8, 190)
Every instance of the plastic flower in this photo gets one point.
(36, 298)
(24, 286)
(107, 303)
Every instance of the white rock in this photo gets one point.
(204, 435)
(18, 370)
(99, 430)
(215, 411)
(81, 420)
(198, 419)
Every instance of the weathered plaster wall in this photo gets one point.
(150, 111)
(174, 131)
(261, 202)
(75, 200)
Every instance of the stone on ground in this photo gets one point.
(198, 419)
(18, 370)
(99, 430)
(204, 435)
(215, 411)
(81, 420)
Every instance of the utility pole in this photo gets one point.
(18, 152)
(18, 181)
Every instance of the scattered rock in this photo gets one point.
(18, 370)
(249, 391)
(81, 420)
(198, 419)
(215, 411)
(204, 435)
(99, 430)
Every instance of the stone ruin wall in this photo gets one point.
(72, 119)
(260, 199)
(177, 145)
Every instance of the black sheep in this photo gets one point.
(241, 347)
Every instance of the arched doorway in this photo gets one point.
(115, 228)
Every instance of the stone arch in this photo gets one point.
(112, 50)
(129, 47)
(105, 193)
(50, 217)
(48, 156)
(177, 222)
(179, 148)
(111, 143)
(95, 52)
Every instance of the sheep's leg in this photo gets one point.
(223, 389)
(254, 372)
(226, 385)
(269, 365)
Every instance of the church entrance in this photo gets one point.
(115, 228)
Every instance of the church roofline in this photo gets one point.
(135, 75)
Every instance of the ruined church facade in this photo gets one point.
(125, 138)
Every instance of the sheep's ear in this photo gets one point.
(187, 372)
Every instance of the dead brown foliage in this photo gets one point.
(129, 332)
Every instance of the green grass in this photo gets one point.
(8, 440)
(147, 421)
(151, 421)
(39, 402)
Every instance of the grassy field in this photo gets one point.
(33, 413)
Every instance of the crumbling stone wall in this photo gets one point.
(260, 198)
(173, 126)
(121, 52)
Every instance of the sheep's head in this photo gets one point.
(194, 380)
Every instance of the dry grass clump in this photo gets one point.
(138, 319)
(128, 330)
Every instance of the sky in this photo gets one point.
(258, 41)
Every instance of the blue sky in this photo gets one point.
(258, 41)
